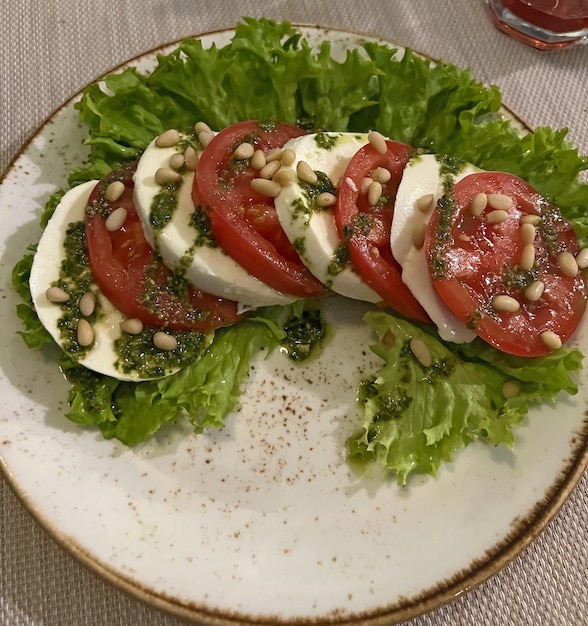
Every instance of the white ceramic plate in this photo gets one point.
(263, 521)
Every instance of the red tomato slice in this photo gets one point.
(473, 260)
(123, 265)
(243, 221)
(367, 228)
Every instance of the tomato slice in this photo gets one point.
(366, 228)
(243, 221)
(472, 260)
(129, 274)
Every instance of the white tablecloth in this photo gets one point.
(51, 49)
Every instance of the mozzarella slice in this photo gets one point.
(102, 356)
(423, 177)
(313, 231)
(206, 267)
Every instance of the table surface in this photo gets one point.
(50, 50)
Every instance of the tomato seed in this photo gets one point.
(479, 204)
(534, 291)
(421, 351)
(56, 295)
(418, 234)
(567, 264)
(87, 304)
(306, 173)
(382, 175)
(268, 188)
(191, 159)
(116, 219)
(176, 161)
(165, 175)
(551, 340)
(511, 389)
(350, 182)
(378, 142)
(505, 303)
(496, 217)
(374, 192)
(258, 160)
(163, 341)
(528, 257)
(114, 191)
(500, 201)
(85, 333)
(244, 150)
(168, 139)
(288, 157)
(132, 326)
(528, 233)
(326, 199)
(582, 258)
(426, 203)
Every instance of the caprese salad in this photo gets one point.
(146, 275)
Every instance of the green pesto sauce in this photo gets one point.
(304, 335)
(326, 141)
(75, 277)
(200, 221)
(340, 260)
(163, 206)
(304, 208)
(518, 279)
(137, 353)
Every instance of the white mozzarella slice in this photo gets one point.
(423, 177)
(314, 232)
(207, 268)
(101, 357)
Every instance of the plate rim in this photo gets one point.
(502, 553)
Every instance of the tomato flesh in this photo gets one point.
(243, 221)
(472, 260)
(128, 273)
(366, 228)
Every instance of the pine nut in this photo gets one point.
(132, 326)
(418, 234)
(268, 188)
(85, 333)
(505, 303)
(288, 157)
(351, 184)
(365, 185)
(114, 191)
(168, 139)
(202, 127)
(378, 142)
(326, 199)
(177, 161)
(164, 341)
(267, 171)
(426, 203)
(283, 177)
(191, 159)
(496, 217)
(382, 175)
(374, 252)
(306, 173)
(479, 204)
(567, 264)
(534, 291)
(275, 154)
(582, 258)
(464, 237)
(166, 175)
(528, 233)
(528, 257)
(500, 201)
(421, 351)
(531, 219)
(57, 295)
(87, 304)
(374, 192)
(205, 137)
(244, 150)
(551, 340)
(511, 389)
(116, 219)
(258, 160)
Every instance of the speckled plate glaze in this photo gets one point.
(263, 522)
